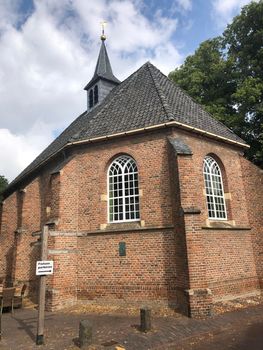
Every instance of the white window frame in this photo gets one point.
(216, 189)
(126, 160)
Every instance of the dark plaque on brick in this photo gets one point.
(122, 249)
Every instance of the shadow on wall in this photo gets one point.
(33, 282)
(180, 263)
(169, 243)
(34, 242)
(9, 257)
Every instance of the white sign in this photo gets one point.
(44, 267)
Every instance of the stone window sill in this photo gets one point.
(124, 225)
(218, 225)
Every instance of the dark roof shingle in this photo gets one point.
(145, 98)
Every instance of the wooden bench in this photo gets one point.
(7, 299)
(19, 295)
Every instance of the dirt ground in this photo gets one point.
(218, 308)
(247, 337)
(235, 325)
(237, 304)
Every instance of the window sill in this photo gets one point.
(223, 225)
(219, 225)
(122, 225)
(115, 228)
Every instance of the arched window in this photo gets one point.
(91, 98)
(96, 94)
(214, 189)
(123, 190)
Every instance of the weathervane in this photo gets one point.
(103, 24)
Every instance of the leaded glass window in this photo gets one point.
(214, 189)
(123, 190)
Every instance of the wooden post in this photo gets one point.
(85, 334)
(1, 311)
(145, 319)
(42, 289)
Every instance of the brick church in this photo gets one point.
(148, 199)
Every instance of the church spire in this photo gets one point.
(103, 79)
(103, 67)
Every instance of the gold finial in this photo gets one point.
(103, 36)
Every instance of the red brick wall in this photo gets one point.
(229, 156)
(7, 235)
(82, 183)
(69, 190)
(27, 251)
(161, 262)
(197, 292)
(221, 260)
(54, 198)
(24, 213)
(231, 268)
(91, 166)
(253, 179)
(62, 285)
(146, 273)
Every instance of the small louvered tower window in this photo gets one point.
(123, 189)
(91, 98)
(214, 189)
(96, 94)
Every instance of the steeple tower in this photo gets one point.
(103, 80)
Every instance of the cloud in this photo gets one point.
(48, 54)
(185, 5)
(18, 150)
(224, 10)
(8, 14)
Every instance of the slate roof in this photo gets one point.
(145, 98)
(103, 68)
(179, 146)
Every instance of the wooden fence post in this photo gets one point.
(145, 314)
(1, 311)
(42, 289)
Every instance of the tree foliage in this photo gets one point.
(3, 185)
(225, 75)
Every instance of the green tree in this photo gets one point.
(3, 185)
(243, 40)
(207, 77)
(225, 75)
